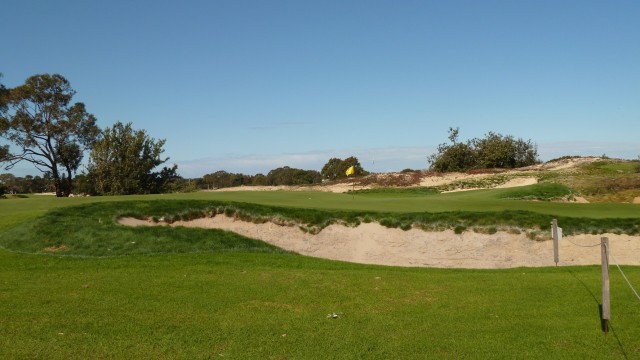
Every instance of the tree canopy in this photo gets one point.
(492, 151)
(24, 185)
(46, 128)
(291, 176)
(336, 168)
(123, 161)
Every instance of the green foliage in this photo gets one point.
(454, 157)
(459, 229)
(123, 161)
(492, 151)
(4, 151)
(223, 179)
(544, 192)
(291, 176)
(47, 130)
(280, 176)
(336, 168)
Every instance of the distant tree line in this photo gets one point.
(10, 184)
(334, 169)
(280, 176)
(492, 151)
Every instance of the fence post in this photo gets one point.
(554, 234)
(606, 300)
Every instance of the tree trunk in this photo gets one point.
(69, 186)
(56, 182)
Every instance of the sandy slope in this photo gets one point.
(525, 176)
(374, 244)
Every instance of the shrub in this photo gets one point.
(492, 151)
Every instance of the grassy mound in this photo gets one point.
(92, 229)
(541, 192)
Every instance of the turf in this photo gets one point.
(92, 229)
(275, 306)
(478, 200)
(237, 299)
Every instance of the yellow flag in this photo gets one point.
(350, 171)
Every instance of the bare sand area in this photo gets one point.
(371, 243)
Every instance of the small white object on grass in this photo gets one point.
(334, 315)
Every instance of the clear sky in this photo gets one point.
(248, 86)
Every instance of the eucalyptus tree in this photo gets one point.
(45, 128)
(123, 160)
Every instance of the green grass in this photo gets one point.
(92, 229)
(178, 293)
(478, 200)
(275, 306)
(544, 192)
(397, 191)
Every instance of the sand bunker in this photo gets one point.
(375, 244)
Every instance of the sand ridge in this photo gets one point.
(372, 243)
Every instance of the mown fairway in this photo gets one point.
(241, 302)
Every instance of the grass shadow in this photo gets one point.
(605, 326)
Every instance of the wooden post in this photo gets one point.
(606, 300)
(554, 234)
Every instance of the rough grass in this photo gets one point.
(600, 181)
(92, 230)
(540, 192)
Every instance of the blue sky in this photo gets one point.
(248, 86)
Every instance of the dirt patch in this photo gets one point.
(371, 243)
(53, 249)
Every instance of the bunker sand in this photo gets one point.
(372, 243)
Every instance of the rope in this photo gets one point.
(586, 246)
(625, 276)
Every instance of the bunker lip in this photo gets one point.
(372, 243)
